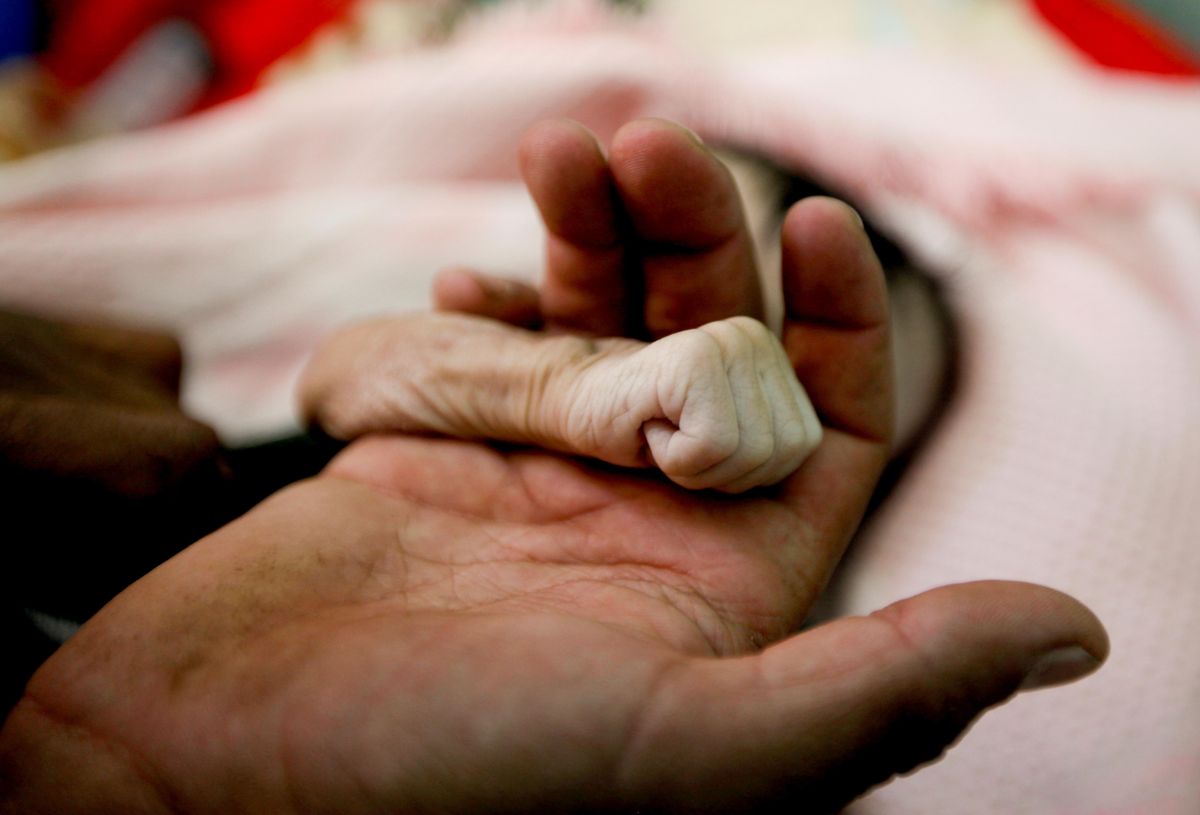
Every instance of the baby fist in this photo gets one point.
(713, 407)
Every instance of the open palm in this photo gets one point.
(444, 626)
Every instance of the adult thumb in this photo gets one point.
(814, 721)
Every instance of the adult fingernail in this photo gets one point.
(1059, 667)
(691, 134)
(498, 288)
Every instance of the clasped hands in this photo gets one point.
(443, 625)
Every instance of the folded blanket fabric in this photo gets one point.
(1062, 212)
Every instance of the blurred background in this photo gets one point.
(78, 68)
(251, 174)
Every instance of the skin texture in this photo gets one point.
(442, 625)
(716, 406)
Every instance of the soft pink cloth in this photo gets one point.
(1062, 211)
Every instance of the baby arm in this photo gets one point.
(712, 407)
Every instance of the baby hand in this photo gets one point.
(712, 407)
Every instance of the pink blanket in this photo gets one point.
(1062, 211)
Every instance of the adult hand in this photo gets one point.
(438, 625)
(103, 474)
(645, 242)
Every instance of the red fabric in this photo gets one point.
(89, 35)
(1116, 36)
(244, 37)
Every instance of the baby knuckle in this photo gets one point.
(758, 448)
(793, 442)
(700, 454)
(742, 332)
(697, 348)
(720, 444)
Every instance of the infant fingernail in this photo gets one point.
(1058, 667)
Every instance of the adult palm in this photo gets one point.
(444, 626)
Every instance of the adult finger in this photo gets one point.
(113, 364)
(835, 333)
(152, 353)
(816, 720)
(836, 315)
(112, 492)
(696, 252)
(132, 453)
(586, 287)
(468, 291)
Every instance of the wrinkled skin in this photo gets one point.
(712, 407)
(444, 626)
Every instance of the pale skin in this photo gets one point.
(438, 625)
(712, 407)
